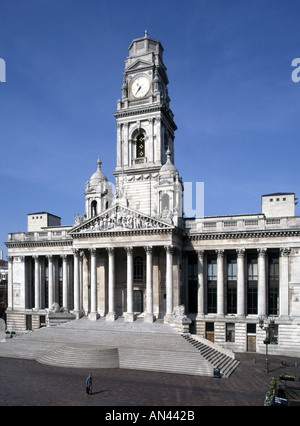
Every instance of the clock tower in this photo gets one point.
(146, 178)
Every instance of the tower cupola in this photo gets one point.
(98, 194)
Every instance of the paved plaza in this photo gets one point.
(29, 383)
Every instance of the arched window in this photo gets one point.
(140, 145)
(94, 208)
(165, 205)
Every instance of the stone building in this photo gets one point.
(133, 254)
(3, 285)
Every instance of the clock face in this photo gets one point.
(140, 87)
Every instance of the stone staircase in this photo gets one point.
(101, 344)
(225, 363)
(81, 357)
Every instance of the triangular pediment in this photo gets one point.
(139, 63)
(120, 218)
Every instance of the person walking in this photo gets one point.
(89, 385)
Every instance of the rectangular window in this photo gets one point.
(252, 299)
(211, 284)
(252, 277)
(252, 269)
(273, 284)
(251, 328)
(138, 269)
(211, 269)
(274, 269)
(273, 300)
(211, 298)
(231, 269)
(231, 299)
(231, 285)
(192, 284)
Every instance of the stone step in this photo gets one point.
(223, 362)
(99, 344)
(81, 357)
(175, 362)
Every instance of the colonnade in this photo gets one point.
(262, 289)
(74, 282)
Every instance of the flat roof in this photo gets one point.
(30, 214)
(279, 193)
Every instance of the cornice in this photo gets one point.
(26, 244)
(120, 233)
(146, 110)
(246, 234)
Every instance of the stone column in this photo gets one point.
(129, 315)
(81, 255)
(262, 283)
(65, 280)
(149, 317)
(111, 315)
(77, 309)
(169, 282)
(37, 295)
(241, 282)
(23, 288)
(85, 283)
(42, 283)
(10, 283)
(50, 281)
(284, 283)
(220, 282)
(93, 314)
(201, 294)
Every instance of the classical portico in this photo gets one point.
(124, 249)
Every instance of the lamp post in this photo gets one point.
(267, 340)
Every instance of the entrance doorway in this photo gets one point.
(251, 337)
(138, 305)
(210, 331)
(28, 322)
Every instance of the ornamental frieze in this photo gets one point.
(119, 218)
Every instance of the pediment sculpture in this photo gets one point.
(119, 218)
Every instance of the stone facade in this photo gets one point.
(230, 279)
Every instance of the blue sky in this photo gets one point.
(229, 67)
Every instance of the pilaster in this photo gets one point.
(284, 283)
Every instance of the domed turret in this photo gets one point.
(98, 177)
(168, 167)
(98, 194)
(169, 190)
